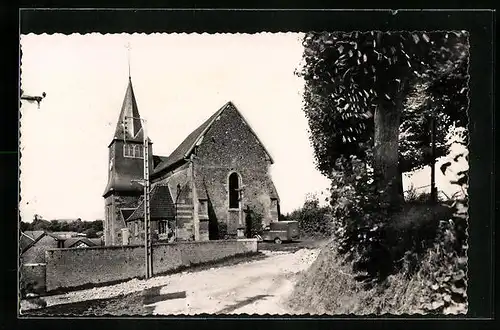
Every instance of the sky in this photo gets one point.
(179, 81)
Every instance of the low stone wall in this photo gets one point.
(72, 268)
(32, 278)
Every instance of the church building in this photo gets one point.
(202, 188)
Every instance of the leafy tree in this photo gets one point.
(25, 226)
(78, 226)
(97, 225)
(355, 92)
(253, 222)
(55, 225)
(90, 233)
(39, 223)
(445, 100)
(314, 220)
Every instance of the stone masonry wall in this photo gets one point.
(185, 207)
(32, 278)
(230, 146)
(119, 202)
(71, 268)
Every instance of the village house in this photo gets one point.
(33, 244)
(32, 248)
(217, 172)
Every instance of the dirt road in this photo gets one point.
(253, 288)
(258, 286)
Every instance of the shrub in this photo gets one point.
(444, 267)
(253, 221)
(359, 218)
(222, 230)
(314, 221)
(376, 238)
(437, 284)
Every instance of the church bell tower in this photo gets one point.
(125, 168)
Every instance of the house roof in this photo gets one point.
(184, 150)
(129, 126)
(70, 242)
(161, 205)
(63, 234)
(96, 241)
(29, 238)
(33, 234)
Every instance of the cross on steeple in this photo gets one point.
(128, 57)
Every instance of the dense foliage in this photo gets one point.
(446, 101)
(315, 221)
(90, 228)
(370, 100)
(253, 222)
(356, 91)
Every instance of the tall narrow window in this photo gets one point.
(139, 151)
(234, 191)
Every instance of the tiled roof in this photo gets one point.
(186, 147)
(161, 205)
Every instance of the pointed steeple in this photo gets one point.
(129, 126)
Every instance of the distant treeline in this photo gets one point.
(90, 228)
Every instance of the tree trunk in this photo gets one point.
(385, 154)
(400, 180)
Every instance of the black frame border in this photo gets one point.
(480, 24)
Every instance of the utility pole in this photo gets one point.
(176, 202)
(433, 156)
(148, 246)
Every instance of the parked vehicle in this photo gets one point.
(281, 231)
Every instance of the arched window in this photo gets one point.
(234, 191)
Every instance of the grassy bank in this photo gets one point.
(430, 277)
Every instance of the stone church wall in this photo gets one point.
(112, 230)
(230, 146)
(185, 207)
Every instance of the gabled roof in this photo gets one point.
(33, 234)
(129, 125)
(29, 238)
(184, 150)
(63, 234)
(161, 205)
(70, 242)
(97, 241)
